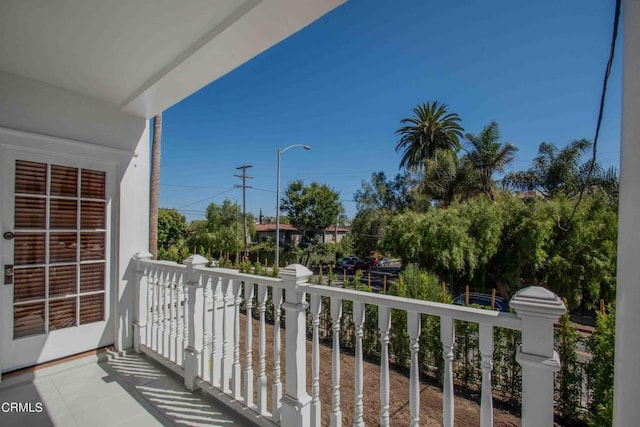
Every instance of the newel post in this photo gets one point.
(296, 403)
(142, 292)
(195, 313)
(538, 309)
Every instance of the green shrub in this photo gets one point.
(601, 344)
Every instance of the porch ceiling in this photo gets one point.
(143, 55)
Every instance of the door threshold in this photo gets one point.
(98, 352)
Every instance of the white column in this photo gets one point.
(142, 291)
(414, 325)
(447, 336)
(626, 410)
(236, 376)
(277, 384)
(316, 307)
(538, 309)
(336, 314)
(384, 324)
(227, 338)
(194, 320)
(296, 403)
(262, 367)
(486, 352)
(358, 320)
(248, 372)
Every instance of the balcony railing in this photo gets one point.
(188, 318)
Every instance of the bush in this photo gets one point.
(601, 344)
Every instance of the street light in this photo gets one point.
(280, 152)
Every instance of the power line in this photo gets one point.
(206, 198)
(607, 73)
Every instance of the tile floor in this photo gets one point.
(127, 391)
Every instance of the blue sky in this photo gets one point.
(343, 84)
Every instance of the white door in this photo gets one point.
(55, 293)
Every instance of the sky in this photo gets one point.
(342, 85)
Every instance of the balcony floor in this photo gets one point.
(130, 390)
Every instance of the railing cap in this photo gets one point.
(142, 255)
(195, 261)
(295, 273)
(536, 301)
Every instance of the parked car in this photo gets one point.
(385, 262)
(343, 261)
(372, 262)
(355, 264)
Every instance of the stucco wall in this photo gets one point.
(60, 121)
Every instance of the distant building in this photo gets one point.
(288, 234)
(335, 234)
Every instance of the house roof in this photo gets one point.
(289, 227)
(272, 227)
(143, 56)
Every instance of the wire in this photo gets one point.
(206, 198)
(603, 96)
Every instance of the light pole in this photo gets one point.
(280, 152)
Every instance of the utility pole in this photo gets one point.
(244, 186)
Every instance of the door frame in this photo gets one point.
(30, 145)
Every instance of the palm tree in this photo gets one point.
(447, 179)
(553, 171)
(154, 191)
(431, 129)
(488, 155)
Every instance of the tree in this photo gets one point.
(377, 201)
(554, 171)
(172, 228)
(431, 128)
(222, 230)
(154, 190)
(381, 193)
(311, 209)
(488, 155)
(447, 178)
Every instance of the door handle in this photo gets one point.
(8, 235)
(8, 274)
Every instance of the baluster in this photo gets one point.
(207, 333)
(384, 324)
(226, 357)
(180, 304)
(486, 351)
(216, 331)
(150, 319)
(248, 373)
(336, 314)
(447, 336)
(413, 329)
(193, 352)
(185, 318)
(316, 307)
(166, 290)
(173, 325)
(277, 384)
(358, 320)
(159, 311)
(236, 372)
(262, 376)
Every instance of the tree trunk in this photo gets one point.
(154, 193)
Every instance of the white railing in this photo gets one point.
(188, 317)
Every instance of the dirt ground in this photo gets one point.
(467, 412)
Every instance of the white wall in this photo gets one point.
(627, 374)
(73, 123)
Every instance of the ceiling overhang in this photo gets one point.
(143, 56)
